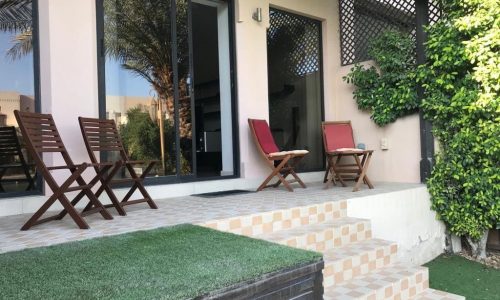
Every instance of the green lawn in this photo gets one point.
(169, 263)
(458, 275)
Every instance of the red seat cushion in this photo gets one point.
(338, 136)
(264, 136)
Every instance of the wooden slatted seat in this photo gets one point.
(9, 150)
(42, 136)
(282, 163)
(338, 141)
(103, 136)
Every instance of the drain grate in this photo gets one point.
(223, 193)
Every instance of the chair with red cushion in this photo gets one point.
(338, 141)
(282, 163)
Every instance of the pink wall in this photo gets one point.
(400, 163)
(68, 67)
(69, 82)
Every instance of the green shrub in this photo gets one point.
(390, 93)
(141, 138)
(141, 135)
(462, 97)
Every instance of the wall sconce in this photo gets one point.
(257, 15)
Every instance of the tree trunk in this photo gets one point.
(453, 243)
(478, 247)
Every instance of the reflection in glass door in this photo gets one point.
(296, 85)
(139, 79)
(158, 61)
(212, 88)
(18, 91)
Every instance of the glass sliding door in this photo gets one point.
(18, 91)
(212, 88)
(183, 81)
(139, 79)
(296, 85)
(151, 51)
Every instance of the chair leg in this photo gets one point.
(73, 213)
(275, 172)
(143, 190)
(98, 177)
(294, 174)
(96, 203)
(105, 187)
(362, 175)
(365, 162)
(68, 208)
(336, 172)
(285, 183)
(327, 171)
(365, 169)
(139, 185)
(34, 218)
(298, 179)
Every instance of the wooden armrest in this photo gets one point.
(62, 167)
(79, 165)
(139, 162)
(101, 164)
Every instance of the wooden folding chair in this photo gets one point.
(9, 150)
(41, 136)
(102, 136)
(282, 163)
(338, 141)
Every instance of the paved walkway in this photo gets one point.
(172, 211)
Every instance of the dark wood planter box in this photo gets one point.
(493, 239)
(303, 282)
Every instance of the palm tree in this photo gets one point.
(138, 34)
(16, 17)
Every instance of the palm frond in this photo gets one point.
(23, 44)
(15, 15)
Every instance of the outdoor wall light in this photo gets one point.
(257, 15)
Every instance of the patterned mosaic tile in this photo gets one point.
(273, 221)
(357, 259)
(392, 282)
(431, 294)
(172, 211)
(323, 236)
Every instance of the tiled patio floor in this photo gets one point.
(190, 209)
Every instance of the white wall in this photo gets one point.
(406, 218)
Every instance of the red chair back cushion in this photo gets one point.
(338, 135)
(264, 136)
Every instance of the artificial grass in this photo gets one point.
(170, 263)
(461, 276)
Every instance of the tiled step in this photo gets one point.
(396, 281)
(283, 219)
(323, 236)
(431, 294)
(357, 259)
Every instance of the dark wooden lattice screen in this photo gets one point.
(361, 21)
